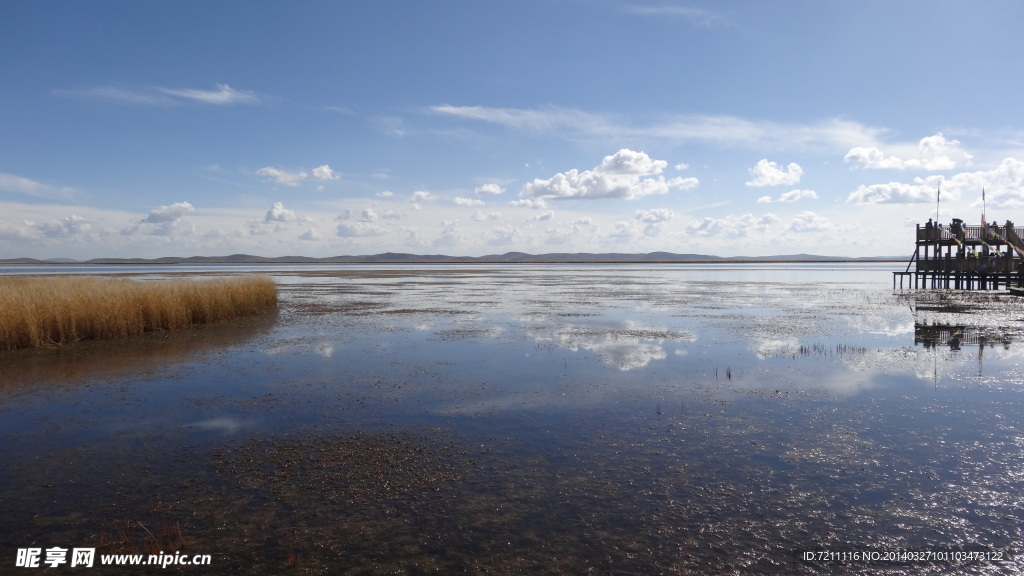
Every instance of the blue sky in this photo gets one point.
(145, 129)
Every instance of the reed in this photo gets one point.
(54, 310)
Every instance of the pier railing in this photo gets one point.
(993, 234)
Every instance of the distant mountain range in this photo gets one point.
(506, 258)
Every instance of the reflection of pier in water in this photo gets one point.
(955, 336)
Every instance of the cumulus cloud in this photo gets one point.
(385, 194)
(325, 173)
(282, 177)
(899, 193)
(791, 196)
(168, 214)
(451, 234)
(652, 219)
(286, 178)
(931, 153)
(535, 204)
(622, 232)
(548, 215)
(733, 226)
(278, 213)
(808, 221)
(766, 173)
(310, 235)
(165, 221)
(655, 216)
(359, 230)
(468, 201)
(503, 235)
(421, 196)
(1005, 184)
(487, 189)
(73, 225)
(626, 175)
(479, 216)
(1004, 187)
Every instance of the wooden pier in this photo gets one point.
(963, 257)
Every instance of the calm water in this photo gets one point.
(532, 419)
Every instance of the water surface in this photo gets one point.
(533, 419)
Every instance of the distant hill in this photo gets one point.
(508, 257)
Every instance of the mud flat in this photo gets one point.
(543, 419)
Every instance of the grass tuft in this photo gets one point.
(54, 310)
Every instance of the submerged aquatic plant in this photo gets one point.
(53, 310)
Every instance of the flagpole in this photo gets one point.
(937, 194)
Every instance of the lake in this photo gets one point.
(523, 419)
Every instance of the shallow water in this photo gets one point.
(534, 419)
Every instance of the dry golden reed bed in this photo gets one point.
(46, 311)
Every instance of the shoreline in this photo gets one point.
(447, 262)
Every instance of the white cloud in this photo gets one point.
(655, 216)
(286, 178)
(628, 162)
(626, 174)
(421, 196)
(791, 196)
(159, 96)
(503, 235)
(931, 153)
(535, 204)
(767, 173)
(794, 195)
(282, 177)
(17, 232)
(696, 16)
(489, 189)
(621, 232)
(21, 185)
(71, 226)
(224, 94)
(385, 194)
(577, 125)
(310, 235)
(359, 230)
(733, 226)
(1004, 186)
(468, 201)
(808, 221)
(899, 193)
(278, 213)
(168, 214)
(543, 216)
(479, 216)
(652, 220)
(451, 234)
(325, 173)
